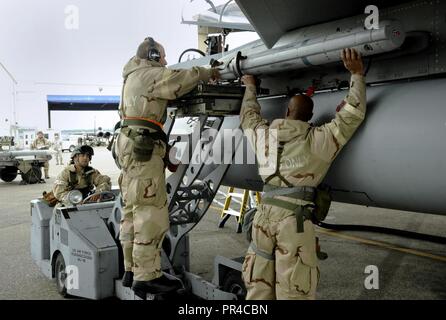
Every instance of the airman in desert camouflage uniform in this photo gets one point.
(281, 262)
(79, 176)
(40, 143)
(148, 86)
(57, 147)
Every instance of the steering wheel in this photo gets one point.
(191, 50)
(104, 196)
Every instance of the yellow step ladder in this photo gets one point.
(227, 212)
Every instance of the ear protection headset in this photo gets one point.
(153, 52)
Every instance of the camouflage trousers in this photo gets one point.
(59, 158)
(280, 263)
(46, 168)
(145, 218)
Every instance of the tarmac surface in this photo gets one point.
(408, 269)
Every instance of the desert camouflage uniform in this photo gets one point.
(42, 144)
(57, 147)
(85, 179)
(148, 86)
(291, 271)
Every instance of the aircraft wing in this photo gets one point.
(271, 19)
(224, 16)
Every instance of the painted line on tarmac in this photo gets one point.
(382, 245)
(216, 208)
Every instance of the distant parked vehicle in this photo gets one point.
(68, 144)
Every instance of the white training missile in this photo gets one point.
(297, 50)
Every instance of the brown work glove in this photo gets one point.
(49, 198)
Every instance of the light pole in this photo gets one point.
(14, 83)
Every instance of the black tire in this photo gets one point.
(8, 174)
(34, 175)
(233, 283)
(71, 148)
(60, 275)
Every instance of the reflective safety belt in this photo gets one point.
(302, 212)
(277, 173)
(159, 134)
(138, 121)
(263, 254)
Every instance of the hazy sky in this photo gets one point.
(47, 53)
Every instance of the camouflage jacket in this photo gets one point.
(307, 151)
(148, 86)
(40, 144)
(84, 179)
